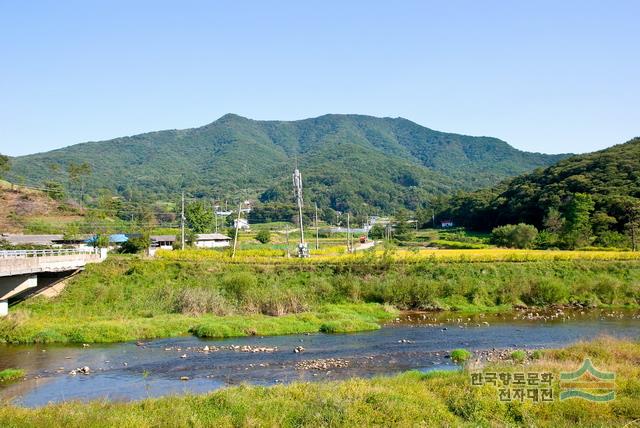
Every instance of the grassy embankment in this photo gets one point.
(410, 399)
(128, 298)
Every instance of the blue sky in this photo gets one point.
(548, 76)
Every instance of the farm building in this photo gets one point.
(211, 240)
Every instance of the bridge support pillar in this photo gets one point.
(11, 286)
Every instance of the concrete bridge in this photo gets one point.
(24, 273)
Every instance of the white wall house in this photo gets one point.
(243, 223)
(211, 240)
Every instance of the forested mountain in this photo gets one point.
(348, 162)
(606, 183)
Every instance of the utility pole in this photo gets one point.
(303, 250)
(215, 216)
(433, 218)
(235, 238)
(287, 234)
(317, 233)
(182, 222)
(348, 233)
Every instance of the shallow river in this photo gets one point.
(131, 371)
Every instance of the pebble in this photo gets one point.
(82, 370)
(322, 364)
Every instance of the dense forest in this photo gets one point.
(349, 162)
(585, 199)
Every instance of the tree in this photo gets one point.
(5, 165)
(136, 244)
(78, 173)
(514, 236)
(71, 231)
(263, 236)
(577, 226)
(402, 229)
(54, 190)
(553, 221)
(633, 222)
(199, 218)
(101, 241)
(376, 231)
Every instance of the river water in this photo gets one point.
(130, 371)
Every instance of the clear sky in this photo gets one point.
(548, 76)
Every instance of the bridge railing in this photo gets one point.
(5, 254)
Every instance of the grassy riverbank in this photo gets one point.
(410, 399)
(11, 375)
(129, 298)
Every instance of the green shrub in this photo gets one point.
(263, 236)
(546, 291)
(238, 284)
(514, 236)
(11, 375)
(518, 356)
(200, 300)
(460, 356)
(135, 245)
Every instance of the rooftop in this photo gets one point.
(212, 237)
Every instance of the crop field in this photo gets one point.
(338, 254)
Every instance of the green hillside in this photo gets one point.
(348, 161)
(609, 180)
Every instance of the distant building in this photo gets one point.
(54, 241)
(446, 223)
(161, 242)
(241, 224)
(211, 240)
(247, 207)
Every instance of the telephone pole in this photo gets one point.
(317, 232)
(182, 222)
(287, 233)
(215, 216)
(303, 249)
(348, 233)
(235, 238)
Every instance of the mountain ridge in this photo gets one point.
(610, 177)
(235, 154)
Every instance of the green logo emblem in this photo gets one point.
(588, 383)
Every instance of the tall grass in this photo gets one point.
(125, 296)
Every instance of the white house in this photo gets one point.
(211, 240)
(242, 224)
